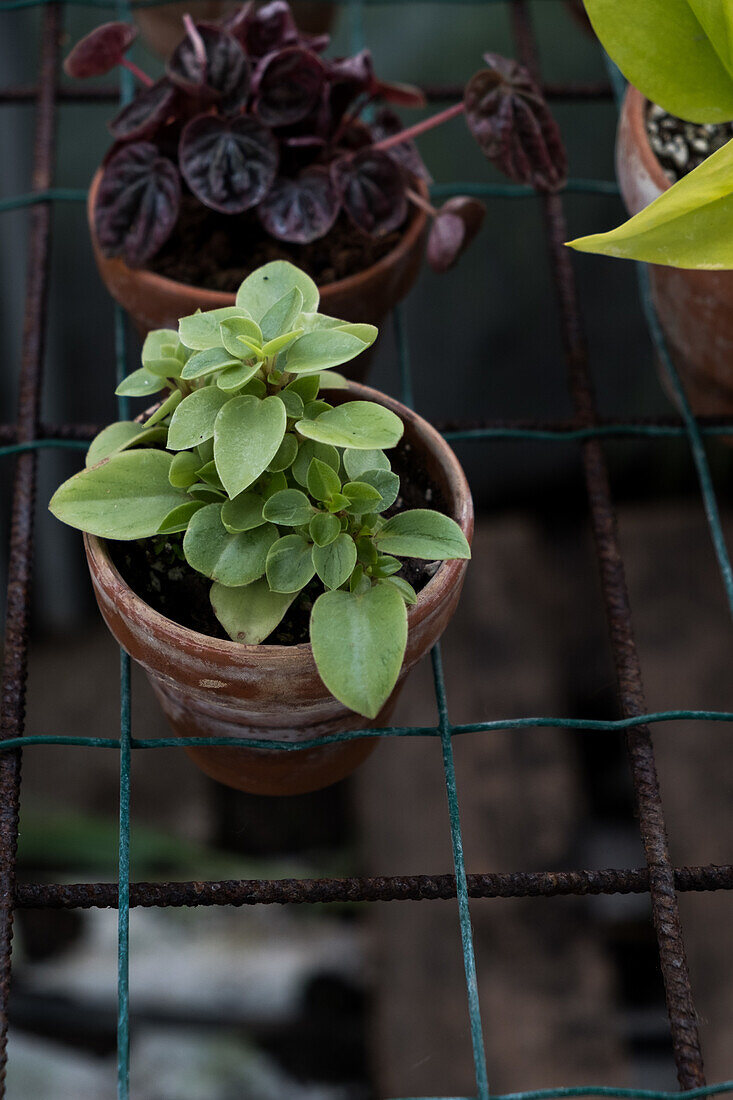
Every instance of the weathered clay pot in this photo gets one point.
(156, 302)
(162, 28)
(213, 688)
(695, 307)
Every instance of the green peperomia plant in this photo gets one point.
(270, 485)
(679, 54)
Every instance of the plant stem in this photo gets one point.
(420, 127)
(141, 76)
(196, 41)
(418, 200)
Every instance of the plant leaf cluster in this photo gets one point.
(250, 116)
(270, 484)
(679, 54)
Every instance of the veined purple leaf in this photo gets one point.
(222, 70)
(150, 107)
(372, 190)
(454, 227)
(402, 95)
(137, 203)
(386, 124)
(262, 30)
(509, 118)
(100, 50)
(229, 164)
(287, 86)
(302, 209)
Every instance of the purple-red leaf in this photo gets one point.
(402, 95)
(148, 110)
(454, 227)
(100, 51)
(288, 85)
(215, 64)
(372, 190)
(300, 210)
(137, 203)
(509, 118)
(229, 164)
(265, 29)
(387, 124)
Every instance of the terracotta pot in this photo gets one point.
(161, 27)
(213, 688)
(695, 307)
(154, 301)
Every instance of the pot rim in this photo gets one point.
(213, 299)
(446, 576)
(634, 108)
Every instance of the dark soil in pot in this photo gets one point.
(682, 146)
(208, 249)
(157, 571)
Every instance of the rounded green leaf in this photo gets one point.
(139, 384)
(193, 421)
(363, 497)
(293, 403)
(158, 344)
(201, 330)
(243, 512)
(309, 450)
(269, 283)
(359, 645)
(423, 534)
(357, 463)
(250, 612)
(306, 387)
(234, 378)
(324, 528)
(208, 362)
(178, 518)
(183, 469)
(285, 455)
(127, 496)
(362, 425)
(289, 507)
(314, 409)
(387, 485)
(275, 346)
(118, 437)
(290, 564)
(323, 481)
(280, 317)
(335, 562)
(230, 559)
(165, 408)
(247, 436)
(239, 335)
(317, 351)
(405, 589)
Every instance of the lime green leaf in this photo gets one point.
(687, 226)
(250, 612)
(280, 317)
(285, 454)
(269, 283)
(193, 421)
(246, 439)
(338, 503)
(359, 644)
(309, 450)
(178, 518)
(678, 53)
(234, 378)
(335, 562)
(405, 589)
(208, 362)
(363, 497)
(239, 334)
(332, 380)
(387, 485)
(139, 384)
(183, 469)
(125, 497)
(201, 330)
(165, 408)
(290, 564)
(423, 534)
(165, 367)
(362, 425)
(324, 528)
(275, 346)
(323, 481)
(119, 437)
(243, 513)
(230, 559)
(159, 344)
(357, 463)
(289, 507)
(317, 351)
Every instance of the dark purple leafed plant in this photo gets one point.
(251, 116)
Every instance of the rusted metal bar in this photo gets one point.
(21, 524)
(529, 884)
(665, 910)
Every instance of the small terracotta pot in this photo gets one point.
(695, 307)
(154, 301)
(214, 688)
(162, 28)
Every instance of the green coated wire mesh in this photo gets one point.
(443, 730)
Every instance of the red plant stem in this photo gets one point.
(196, 41)
(141, 76)
(420, 127)
(418, 200)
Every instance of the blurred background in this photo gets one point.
(356, 1002)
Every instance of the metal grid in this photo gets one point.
(27, 436)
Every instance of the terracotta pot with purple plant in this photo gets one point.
(275, 546)
(254, 147)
